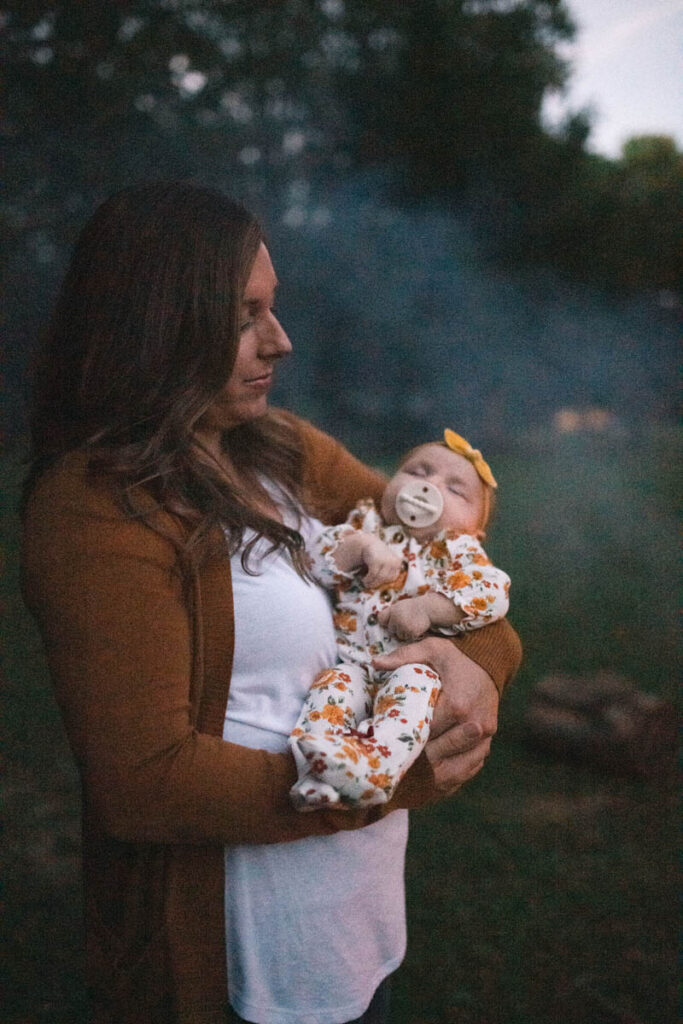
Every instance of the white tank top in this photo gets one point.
(313, 926)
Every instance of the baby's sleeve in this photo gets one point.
(321, 549)
(459, 568)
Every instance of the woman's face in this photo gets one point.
(262, 343)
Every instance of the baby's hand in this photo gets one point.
(382, 565)
(407, 620)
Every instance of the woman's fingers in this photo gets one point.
(449, 781)
(459, 739)
(451, 771)
(421, 652)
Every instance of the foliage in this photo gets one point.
(445, 94)
(461, 98)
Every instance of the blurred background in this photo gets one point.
(474, 208)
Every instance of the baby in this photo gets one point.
(416, 567)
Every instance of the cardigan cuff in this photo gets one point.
(496, 649)
(417, 787)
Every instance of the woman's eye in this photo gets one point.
(455, 490)
(246, 325)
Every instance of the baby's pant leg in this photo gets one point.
(399, 728)
(339, 698)
(363, 766)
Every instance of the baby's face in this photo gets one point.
(457, 481)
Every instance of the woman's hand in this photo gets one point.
(466, 713)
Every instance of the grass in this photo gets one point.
(545, 892)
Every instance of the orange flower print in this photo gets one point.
(315, 716)
(433, 697)
(424, 589)
(477, 574)
(345, 621)
(479, 559)
(384, 704)
(349, 750)
(333, 714)
(458, 580)
(340, 686)
(438, 549)
(374, 762)
(478, 603)
(381, 780)
(324, 678)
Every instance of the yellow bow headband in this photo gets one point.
(460, 446)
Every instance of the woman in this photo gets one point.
(163, 523)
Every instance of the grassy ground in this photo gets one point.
(543, 894)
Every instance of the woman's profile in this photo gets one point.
(165, 515)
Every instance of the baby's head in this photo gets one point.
(441, 485)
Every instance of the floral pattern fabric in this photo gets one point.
(359, 730)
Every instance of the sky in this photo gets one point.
(628, 67)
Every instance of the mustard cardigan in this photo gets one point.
(141, 673)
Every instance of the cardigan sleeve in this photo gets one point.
(115, 623)
(334, 479)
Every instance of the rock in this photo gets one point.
(604, 721)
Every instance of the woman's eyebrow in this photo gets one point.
(256, 302)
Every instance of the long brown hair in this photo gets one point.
(143, 338)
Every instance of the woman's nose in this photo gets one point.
(274, 339)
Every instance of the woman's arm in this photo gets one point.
(334, 480)
(117, 633)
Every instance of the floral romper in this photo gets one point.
(360, 730)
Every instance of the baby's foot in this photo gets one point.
(309, 794)
(345, 761)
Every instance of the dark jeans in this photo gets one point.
(376, 1013)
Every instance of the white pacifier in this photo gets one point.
(419, 503)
